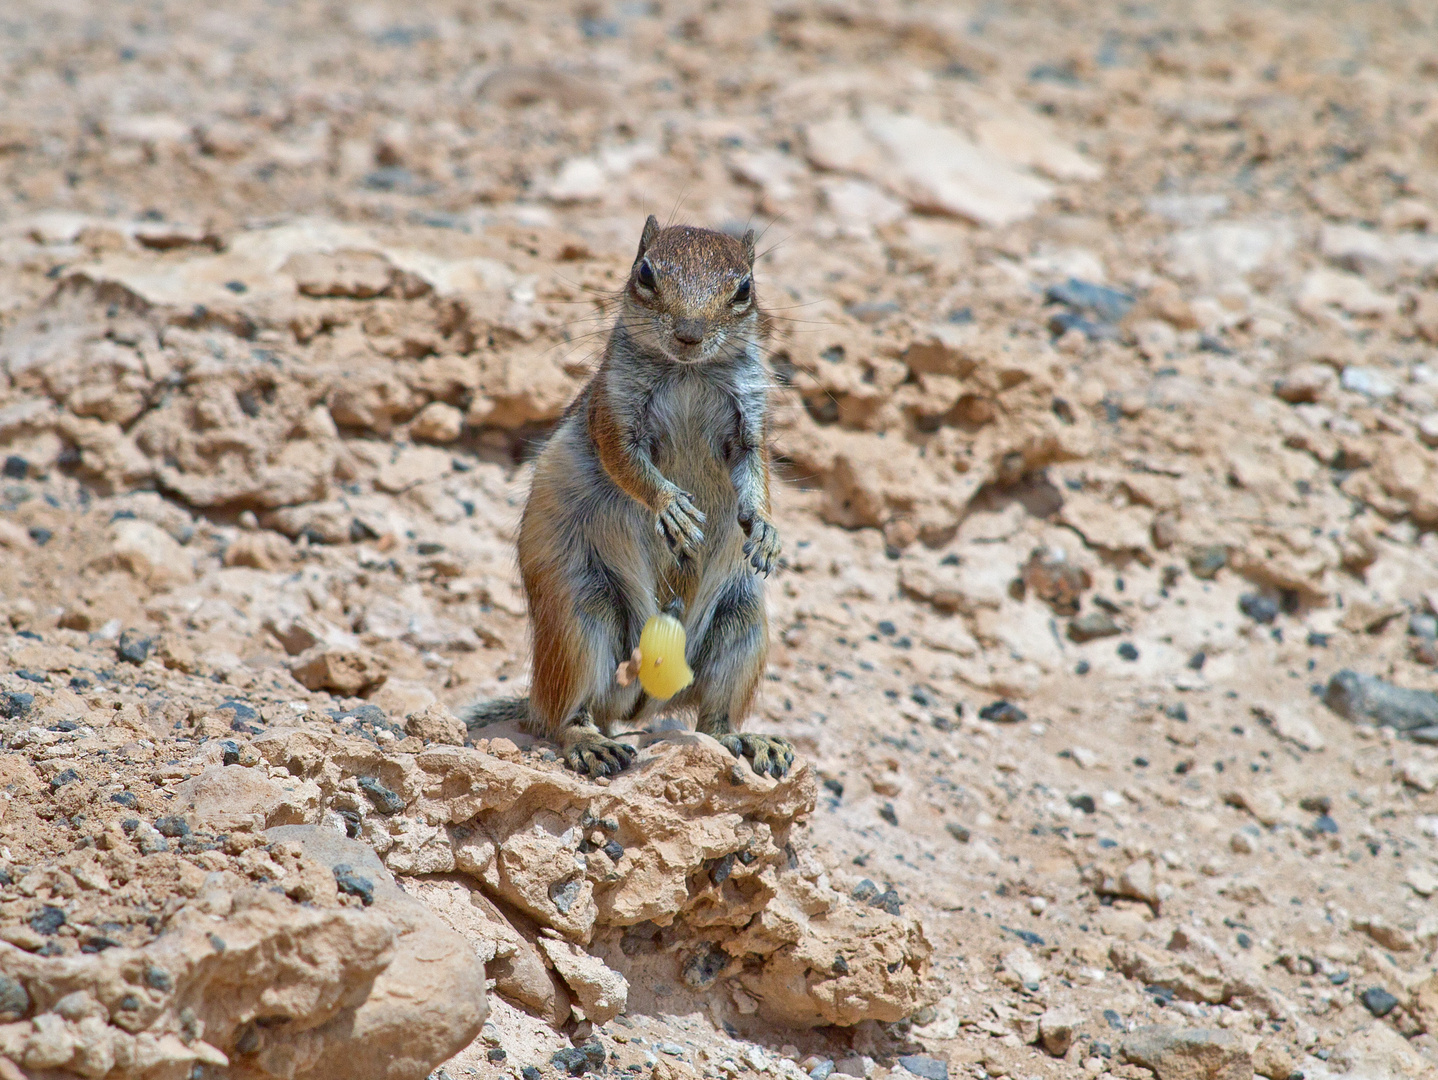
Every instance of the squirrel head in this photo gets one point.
(690, 294)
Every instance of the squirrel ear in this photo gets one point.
(651, 230)
(748, 242)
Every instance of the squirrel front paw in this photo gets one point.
(679, 523)
(762, 547)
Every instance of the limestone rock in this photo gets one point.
(435, 723)
(425, 1005)
(600, 991)
(1377, 1052)
(1058, 1028)
(932, 166)
(348, 672)
(1175, 1053)
(438, 422)
(150, 553)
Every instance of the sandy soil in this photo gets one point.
(1106, 410)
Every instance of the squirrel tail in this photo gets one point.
(495, 711)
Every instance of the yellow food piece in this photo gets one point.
(663, 670)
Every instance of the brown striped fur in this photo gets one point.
(653, 492)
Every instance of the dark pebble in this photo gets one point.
(496, 1054)
(371, 714)
(15, 467)
(925, 1066)
(722, 868)
(615, 850)
(1378, 1001)
(59, 780)
(1128, 651)
(865, 891)
(834, 787)
(529, 1072)
(1091, 626)
(957, 831)
(31, 676)
(158, 979)
(1028, 937)
(1002, 712)
(563, 894)
(1114, 1020)
(385, 801)
(1324, 824)
(1082, 668)
(97, 944)
(888, 900)
(1197, 660)
(126, 799)
(1108, 305)
(47, 920)
(40, 535)
(229, 753)
(886, 811)
(15, 704)
(347, 881)
(1258, 607)
(217, 943)
(1358, 697)
(134, 647)
(239, 710)
(1206, 562)
(1083, 802)
(172, 826)
(14, 999)
(571, 1060)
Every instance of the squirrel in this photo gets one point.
(653, 491)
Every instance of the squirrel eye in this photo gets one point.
(741, 294)
(645, 276)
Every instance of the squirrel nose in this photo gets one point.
(689, 331)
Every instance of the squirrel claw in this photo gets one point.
(679, 523)
(763, 547)
(597, 755)
(769, 755)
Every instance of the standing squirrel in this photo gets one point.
(653, 492)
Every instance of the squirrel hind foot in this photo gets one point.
(769, 755)
(595, 755)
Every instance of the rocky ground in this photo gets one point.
(1105, 349)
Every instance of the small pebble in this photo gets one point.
(1378, 1001)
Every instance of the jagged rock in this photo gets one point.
(150, 553)
(1058, 1028)
(515, 830)
(1175, 1053)
(435, 723)
(599, 991)
(438, 422)
(370, 980)
(428, 1002)
(347, 672)
(1377, 1052)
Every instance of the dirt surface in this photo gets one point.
(1105, 349)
